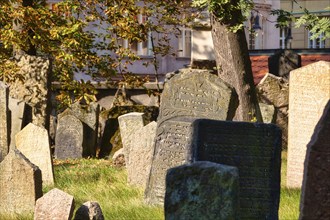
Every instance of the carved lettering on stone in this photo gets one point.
(309, 93)
(69, 138)
(255, 149)
(20, 184)
(33, 142)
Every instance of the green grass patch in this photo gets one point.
(99, 180)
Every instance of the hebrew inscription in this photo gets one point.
(255, 149)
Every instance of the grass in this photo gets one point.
(99, 180)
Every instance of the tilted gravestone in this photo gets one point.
(283, 61)
(33, 142)
(55, 204)
(202, 190)
(33, 87)
(273, 90)
(20, 184)
(89, 116)
(140, 156)
(255, 149)
(69, 138)
(18, 116)
(172, 148)
(315, 193)
(188, 95)
(3, 120)
(197, 93)
(308, 95)
(128, 124)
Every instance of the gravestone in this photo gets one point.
(172, 148)
(267, 113)
(197, 93)
(202, 190)
(255, 149)
(17, 119)
(315, 193)
(89, 211)
(69, 138)
(89, 116)
(33, 142)
(188, 95)
(20, 184)
(141, 153)
(308, 95)
(282, 62)
(273, 90)
(55, 204)
(3, 120)
(128, 124)
(33, 87)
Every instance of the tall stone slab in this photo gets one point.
(197, 93)
(89, 116)
(202, 190)
(69, 138)
(20, 184)
(55, 204)
(34, 88)
(315, 193)
(140, 156)
(17, 118)
(128, 124)
(188, 95)
(172, 148)
(33, 142)
(274, 90)
(308, 95)
(255, 149)
(3, 121)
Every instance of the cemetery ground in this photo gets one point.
(101, 181)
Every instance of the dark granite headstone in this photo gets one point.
(202, 190)
(255, 149)
(172, 148)
(197, 93)
(315, 193)
(69, 138)
(282, 62)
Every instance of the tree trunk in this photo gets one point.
(234, 67)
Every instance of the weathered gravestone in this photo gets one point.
(69, 138)
(172, 148)
(197, 93)
(273, 90)
(33, 87)
(3, 121)
(128, 124)
(308, 95)
(282, 62)
(18, 116)
(202, 190)
(255, 149)
(20, 184)
(267, 113)
(315, 194)
(140, 156)
(55, 204)
(187, 95)
(89, 116)
(89, 211)
(33, 142)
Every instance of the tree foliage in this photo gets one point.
(87, 36)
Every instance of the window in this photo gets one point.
(252, 39)
(316, 42)
(140, 48)
(283, 34)
(184, 46)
